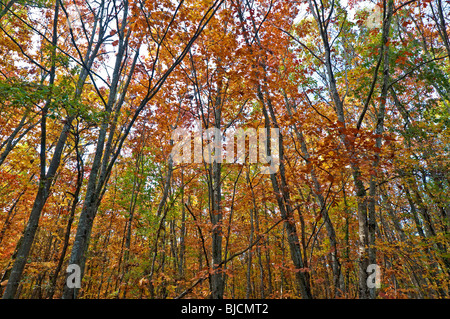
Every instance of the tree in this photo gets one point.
(224, 149)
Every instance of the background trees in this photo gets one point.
(91, 92)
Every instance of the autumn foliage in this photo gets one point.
(91, 91)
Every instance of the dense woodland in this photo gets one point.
(92, 90)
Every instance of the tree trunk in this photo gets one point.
(284, 204)
(379, 128)
(217, 278)
(181, 264)
(80, 174)
(336, 266)
(97, 176)
(46, 179)
(45, 182)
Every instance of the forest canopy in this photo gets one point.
(224, 149)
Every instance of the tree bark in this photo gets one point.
(76, 194)
(217, 277)
(379, 128)
(45, 181)
(284, 204)
(336, 266)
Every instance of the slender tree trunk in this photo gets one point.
(336, 266)
(379, 128)
(217, 277)
(45, 181)
(160, 212)
(217, 286)
(282, 194)
(359, 186)
(347, 242)
(137, 185)
(248, 291)
(260, 262)
(97, 176)
(80, 174)
(181, 264)
(268, 262)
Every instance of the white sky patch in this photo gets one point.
(368, 5)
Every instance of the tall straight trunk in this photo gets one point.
(284, 203)
(268, 261)
(254, 227)
(248, 291)
(217, 277)
(85, 223)
(162, 217)
(181, 263)
(76, 194)
(260, 262)
(137, 184)
(217, 283)
(346, 240)
(99, 172)
(359, 185)
(363, 233)
(336, 266)
(282, 192)
(227, 236)
(46, 179)
(379, 128)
